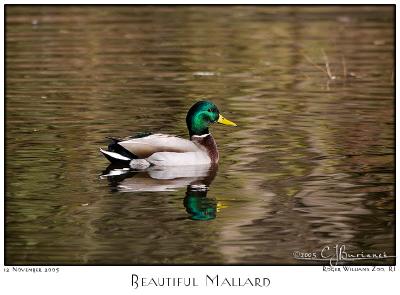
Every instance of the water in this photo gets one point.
(311, 163)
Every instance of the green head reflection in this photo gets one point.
(198, 205)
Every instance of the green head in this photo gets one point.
(201, 115)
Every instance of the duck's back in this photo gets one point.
(144, 147)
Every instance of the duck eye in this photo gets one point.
(210, 110)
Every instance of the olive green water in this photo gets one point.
(311, 163)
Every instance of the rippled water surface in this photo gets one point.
(311, 163)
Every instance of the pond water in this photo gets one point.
(311, 163)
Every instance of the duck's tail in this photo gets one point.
(115, 158)
(134, 163)
(117, 154)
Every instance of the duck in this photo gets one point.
(147, 149)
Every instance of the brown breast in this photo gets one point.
(208, 144)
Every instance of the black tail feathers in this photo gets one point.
(116, 148)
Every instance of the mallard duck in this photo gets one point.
(148, 149)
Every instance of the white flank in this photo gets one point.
(179, 159)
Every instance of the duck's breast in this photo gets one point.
(207, 144)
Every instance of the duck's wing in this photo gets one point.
(144, 147)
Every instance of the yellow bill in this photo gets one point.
(224, 121)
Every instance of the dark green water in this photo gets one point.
(311, 163)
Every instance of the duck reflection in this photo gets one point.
(198, 205)
(197, 180)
